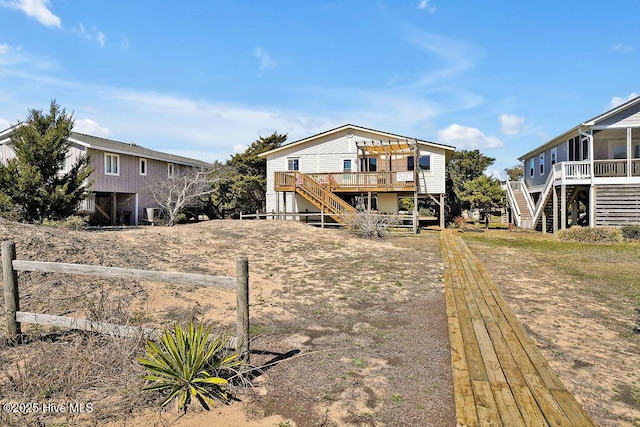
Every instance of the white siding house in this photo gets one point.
(352, 167)
(589, 175)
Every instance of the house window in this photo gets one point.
(542, 164)
(531, 166)
(293, 164)
(171, 170)
(369, 164)
(143, 166)
(346, 165)
(554, 155)
(424, 163)
(410, 163)
(111, 164)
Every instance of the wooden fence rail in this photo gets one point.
(13, 315)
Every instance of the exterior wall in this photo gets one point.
(129, 179)
(539, 179)
(433, 181)
(617, 205)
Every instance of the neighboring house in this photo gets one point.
(117, 194)
(350, 167)
(589, 175)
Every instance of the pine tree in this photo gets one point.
(33, 183)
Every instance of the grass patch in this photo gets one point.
(605, 271)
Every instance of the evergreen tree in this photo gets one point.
(245, 188)
(484, 193)
(465, 165)
(34, 184)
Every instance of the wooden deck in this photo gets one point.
(500, 377)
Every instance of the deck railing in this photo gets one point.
(353, 180)
(610, 168)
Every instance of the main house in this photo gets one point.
(121, 170)
(351, 167)
(589, 175)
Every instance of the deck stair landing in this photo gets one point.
(322, 197)
(500, 377)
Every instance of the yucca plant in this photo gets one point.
(188, 363)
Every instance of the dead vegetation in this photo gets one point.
(361, 331)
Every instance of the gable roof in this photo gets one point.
(113, 146)
(588, 123)
(382, 134)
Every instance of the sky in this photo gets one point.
(205, 79)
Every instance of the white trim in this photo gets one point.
(117, 157)
(144, 161)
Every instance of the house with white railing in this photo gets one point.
(341, 170)
(589, 175)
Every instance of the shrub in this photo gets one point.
(368, 225)
(591, 235)
(458, 222)
(631, 231)
(188, 363)
(181, 218)
(76, 222)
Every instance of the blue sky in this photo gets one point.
(206, 78)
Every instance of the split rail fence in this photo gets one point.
(14, 316)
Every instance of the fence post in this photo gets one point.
(11, 296)
(242, 277)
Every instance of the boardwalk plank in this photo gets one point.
(507, 377)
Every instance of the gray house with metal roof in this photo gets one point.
(117, 194)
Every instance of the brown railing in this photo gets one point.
(350, 181)
(319, 195)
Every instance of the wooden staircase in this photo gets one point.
(322, 197)
(526, 218)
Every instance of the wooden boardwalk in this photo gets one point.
(500, 377)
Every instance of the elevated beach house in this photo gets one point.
(117, 194)
(589, 175)
(351, 167)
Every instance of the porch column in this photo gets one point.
(135, 212)
(277, 205)
(442, 225)
(369, 201)
(114, 201)
(416, 222)
(563, 207)
(629, 147)
(574, 211)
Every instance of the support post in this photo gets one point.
(563, 207)
(416, 221)
(592, 206)
(242, 277)
(11, 294)
(277, 206)
(442, 224)
(114, 206)
(555, 210)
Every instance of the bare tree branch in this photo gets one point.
(187, 185)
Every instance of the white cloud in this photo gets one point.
(622, 47)
(4, 124)
(265, 59)
(425, 5)
(240, 148)
(464, 137)
(617, 100)
(38, 9)
(90, 127)
(511, 124)
(91, 34)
